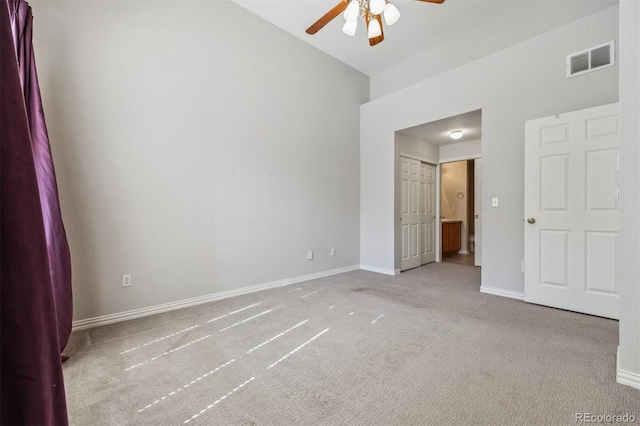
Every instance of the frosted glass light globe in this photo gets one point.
(376, 6)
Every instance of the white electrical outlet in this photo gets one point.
(310, 255)
(333, 251)
(126, 280)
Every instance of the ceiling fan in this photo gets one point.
(372, 12)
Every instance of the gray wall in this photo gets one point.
(461, 151)
(629, 241)
(457, 51)
(197, 147)
(520, 83)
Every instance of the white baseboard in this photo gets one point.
(626, 377)
(380, 270)
(463, 252)
(166, 307)
(502, 292)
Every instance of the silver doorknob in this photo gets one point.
(400, 219)
(531, 220)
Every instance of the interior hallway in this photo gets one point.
(460, 259)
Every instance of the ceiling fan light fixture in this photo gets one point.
(352, 11)
(350, 27)
(374, 29)
(391, 14)
(376, 6)
(456, 134)
(370, 10)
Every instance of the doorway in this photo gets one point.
(458, 212)
(449, 140)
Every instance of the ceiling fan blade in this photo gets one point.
(380, 38)
(433, 1)
(328, 17)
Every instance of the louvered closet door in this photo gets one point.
(571, 211)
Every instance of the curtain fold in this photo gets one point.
(57, 246)
(35, 296)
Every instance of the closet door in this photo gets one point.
(410, 213)
(427, 206)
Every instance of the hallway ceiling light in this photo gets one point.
(456, 134)
(371, 10)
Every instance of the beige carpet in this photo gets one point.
(358, 348)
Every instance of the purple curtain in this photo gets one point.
(35, 291)
(57, 247)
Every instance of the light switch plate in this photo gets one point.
(495, 202)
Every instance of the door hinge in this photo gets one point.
(617, 191)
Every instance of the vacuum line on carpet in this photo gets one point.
(298, 348)
(181, 388)
(377, 318)
(275, 337)
(168, 352)
(201, 412)
(187, 329)
(234, 312)
(307, 295)
(158, 340)
(248, 319)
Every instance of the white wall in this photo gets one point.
(458, 51)
(415, 148)
(197, 147)
(418, 150)
(461, 150)
(629, 240)
(522, 82)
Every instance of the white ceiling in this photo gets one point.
(438, 132)
(424, 26)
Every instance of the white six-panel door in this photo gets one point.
(477, 207)
(571, 211)
(409, 213)
(417, 213)
(427, 206)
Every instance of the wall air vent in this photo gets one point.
(593, 59)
